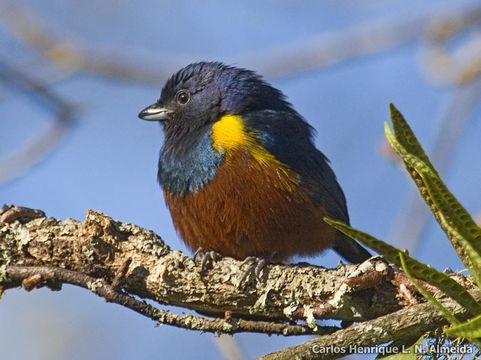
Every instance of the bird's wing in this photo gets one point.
(288, 137)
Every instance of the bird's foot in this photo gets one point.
(255, 269)
(206, 258)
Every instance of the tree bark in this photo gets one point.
(118, 261)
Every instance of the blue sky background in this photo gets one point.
(108, 161)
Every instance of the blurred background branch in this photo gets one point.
(36, 149)
(320, 51)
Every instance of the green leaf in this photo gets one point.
(447, 203)
(470, 329)
(419, 270)
(475, 260)
(405, 135)
(447, 314)
(402, 152)
(443, 282)
(461, 229)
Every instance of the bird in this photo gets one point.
(239, 170)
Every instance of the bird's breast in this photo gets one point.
(252, 206)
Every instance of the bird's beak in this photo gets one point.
(155, 112)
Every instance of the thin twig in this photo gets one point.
(43, 275)
(121, 273)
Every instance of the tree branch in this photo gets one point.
(123, 262)
(30, 277)
(410, 322)
(99, 246)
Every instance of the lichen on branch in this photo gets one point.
(123, 263)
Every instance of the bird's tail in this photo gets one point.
(350, 250)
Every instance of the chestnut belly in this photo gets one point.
(251, 209)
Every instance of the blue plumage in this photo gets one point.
(192, 171)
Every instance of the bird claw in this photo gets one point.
(256, 268)
(206, 258)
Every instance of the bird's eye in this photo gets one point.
(182, 97)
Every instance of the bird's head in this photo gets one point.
(199, 94)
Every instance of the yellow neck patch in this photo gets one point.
(229, 133)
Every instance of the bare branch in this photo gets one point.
(410, 322)
(30, 277)
(122, 263)
(101, 248)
